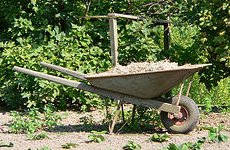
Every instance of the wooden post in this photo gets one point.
(113, 38)
(177, 102)
(166, 47)
(114, 55)
(166, 36)
(189, 86)
(111, 127)
(122, 112)
(133, 113)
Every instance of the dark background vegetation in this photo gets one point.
(32, 31)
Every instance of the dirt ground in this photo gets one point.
(73, 130)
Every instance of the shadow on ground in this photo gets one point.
(119, 128)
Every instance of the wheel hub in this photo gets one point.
(180, 118)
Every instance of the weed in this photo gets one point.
(159, 137)
(44, 148)
(87, 119)
(50, 118)
(97, 136)
(131, 146)
(214, 135)
(146, 116)
(145, 119)
(33, 120)
(69, 145)
(26, 123)
(3, 144)
(186, 146)
(39, 136)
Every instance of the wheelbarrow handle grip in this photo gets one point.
(65, 70)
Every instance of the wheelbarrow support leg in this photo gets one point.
(122, 112)
(133, 113)
(111, 128)
(177, 102)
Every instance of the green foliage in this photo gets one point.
(69, 145)
(212, 39)
(32, 121)
(138, 42)
(50, 118)
(209, 44)
(131, 146)
(18, 89)
(145, 119)
(218, 96)
(34, 31)
(39, 136)
(186, 146)
(159, 137)
(96, 136)
(182, 41)
(215, 135)
(22, 124)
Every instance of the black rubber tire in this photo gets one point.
(189, 120)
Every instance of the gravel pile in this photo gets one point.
(142, 67)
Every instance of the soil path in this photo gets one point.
(73, 131)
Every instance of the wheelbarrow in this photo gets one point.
(178, 114)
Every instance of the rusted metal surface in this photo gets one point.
(144, 85)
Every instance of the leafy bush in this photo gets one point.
(18, 89)
(138, 42)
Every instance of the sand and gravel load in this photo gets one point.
(142, 67)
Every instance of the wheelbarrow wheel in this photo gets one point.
(183, 122)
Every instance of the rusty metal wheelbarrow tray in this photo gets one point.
(144, 85)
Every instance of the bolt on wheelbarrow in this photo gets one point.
(178, 114)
